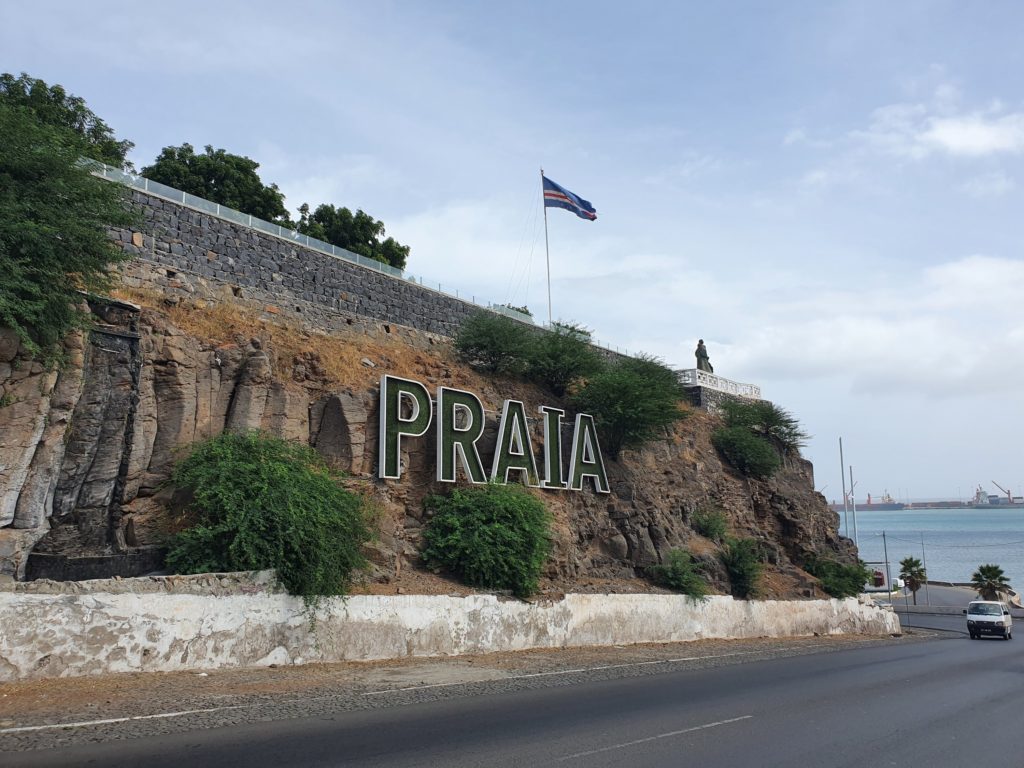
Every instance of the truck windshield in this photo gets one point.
(987, 610)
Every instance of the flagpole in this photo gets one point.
(547, 249)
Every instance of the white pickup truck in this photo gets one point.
(988, 617)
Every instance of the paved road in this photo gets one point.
(933, 703)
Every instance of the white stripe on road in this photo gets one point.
(111, 720)
(625, 744)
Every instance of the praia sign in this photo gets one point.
(406, 410)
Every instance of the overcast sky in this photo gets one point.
(828, 193)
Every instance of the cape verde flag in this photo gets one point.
(560, 197)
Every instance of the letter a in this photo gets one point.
(586, 459)
(514, 451)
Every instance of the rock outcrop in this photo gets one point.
(86, 452)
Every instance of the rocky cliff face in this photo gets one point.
(86, 452)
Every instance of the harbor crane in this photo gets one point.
(1009, 496)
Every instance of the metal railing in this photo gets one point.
(155, 188)
(694, 377)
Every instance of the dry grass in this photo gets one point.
(335, 356)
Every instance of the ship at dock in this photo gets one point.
(884, 504)
(982, 501)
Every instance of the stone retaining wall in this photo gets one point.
(163, 624)
(179, 239)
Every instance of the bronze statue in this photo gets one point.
(703, 361)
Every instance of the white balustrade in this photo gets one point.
(694, 377)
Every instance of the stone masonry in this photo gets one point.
(180, 239)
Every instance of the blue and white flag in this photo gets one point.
(560, 197)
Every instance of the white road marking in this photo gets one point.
(109, 721)
(654, 738)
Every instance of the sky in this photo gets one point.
(827, 193)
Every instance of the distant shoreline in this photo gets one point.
(915, 506)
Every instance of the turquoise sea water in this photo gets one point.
(956, 541)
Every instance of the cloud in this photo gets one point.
(974, 135)
(947, 330)
(994, 184)
(895, 129)
(917, 130)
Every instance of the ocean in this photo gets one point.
(956, 541)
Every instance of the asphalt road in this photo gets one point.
(936, 703)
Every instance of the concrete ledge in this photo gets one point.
(99, 632)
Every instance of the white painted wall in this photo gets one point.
(95, 631)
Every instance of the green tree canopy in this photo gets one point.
(913, 573)
(990, 581)
(55, 107)
(681, 572)
(630, 401)
(221, 177)
(493, 536)
(561, 356)
(767, 420)
(54, 217)
(262, 502)
(839, 579)
(748, 452)
(358, 232)
(494, 343)
(742, 561)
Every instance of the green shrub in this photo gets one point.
(494, 343)
(559, 357)
(742, 561)
(631, 401)
(710, 523)
(750, 454)
(767, 420)
(262, 502)
(680, 573)
(839, 579)
(495, 536)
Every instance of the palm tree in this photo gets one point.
(913, 574)
(990, 581)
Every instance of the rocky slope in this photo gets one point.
(85, 453)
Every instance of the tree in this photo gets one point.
(494, 343)
(990, 581)
(561, 356)
(262, 502)
(839, 579)
(54, 217)
(54, 107)
(748, 452)
(766, 420)
(913, 574)
(220, 177)
(493, 536)
(630, 401)
(742, 561)
(681, 573)
(358, 232)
